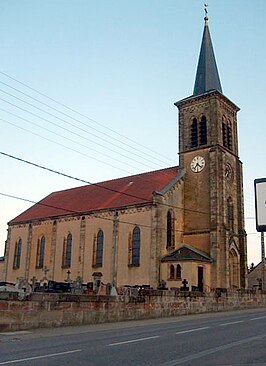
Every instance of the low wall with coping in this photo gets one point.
(55, 310)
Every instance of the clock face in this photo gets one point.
(197, 164)
(228, 172)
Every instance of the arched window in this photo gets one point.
(17, 254)
(172, 272)
(178, 272)
(99, 249)
(67, 249)
(170, 231)
(227, 134)
(229, 137)
(224, 130)
(194, 133)
(40, 252)
(203, 131)
(135, 261)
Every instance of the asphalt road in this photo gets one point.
(233, 338)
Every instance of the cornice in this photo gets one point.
(212, 93)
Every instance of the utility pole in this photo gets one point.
(260, 206)
(263, 280)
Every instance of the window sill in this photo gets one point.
(133, 265)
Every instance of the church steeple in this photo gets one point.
(207, 77)
(213, 216)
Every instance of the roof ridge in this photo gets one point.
(114, 179)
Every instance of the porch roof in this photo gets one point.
(186, 253)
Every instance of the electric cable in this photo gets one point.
(80, 114)
(83, 213)
(72, 132)
(97, 184)
(67, 147)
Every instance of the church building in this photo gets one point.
(183, 224)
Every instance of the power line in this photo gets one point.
(68, 139)
(37, 203)
(94, 184)
(144, 200)
(98, 184)
(77, 212)
(85, 213)
(80, 136)
(78, 113)
(69, 148)
(64, 137)
(69, 176)
(75, 133)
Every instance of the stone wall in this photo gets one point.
(2, 269)
(55, 310)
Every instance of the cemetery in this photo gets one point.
(56, 304)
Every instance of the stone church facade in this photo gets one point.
(167, 226)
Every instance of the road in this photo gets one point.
(233, 338)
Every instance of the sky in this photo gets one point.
(87, 88)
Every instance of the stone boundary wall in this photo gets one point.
(55, 310)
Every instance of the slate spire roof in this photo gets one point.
(207, 76)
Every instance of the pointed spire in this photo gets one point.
(207, 77)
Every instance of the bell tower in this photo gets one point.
(213, 184)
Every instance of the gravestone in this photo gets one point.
(96, 281)
(184, 287)
(77, 287)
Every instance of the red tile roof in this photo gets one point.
(135, 189)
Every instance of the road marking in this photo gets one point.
(212, 350)
(38, 357)
(231, 323)
(191, 330)
(131, 341)
(15, 333)
(261, 317)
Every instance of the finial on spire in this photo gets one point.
(206, 14)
